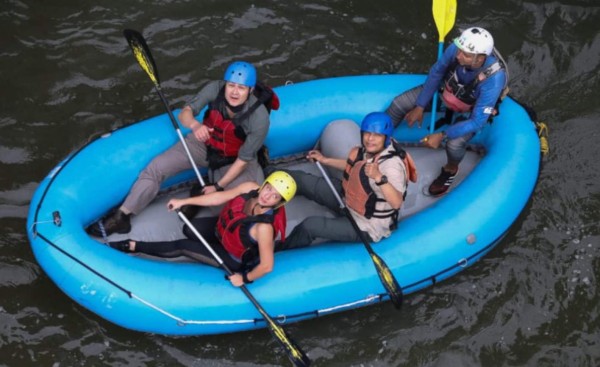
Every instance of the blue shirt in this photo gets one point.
(486, 92)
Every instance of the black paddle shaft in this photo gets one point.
(383, 271)
(295, 354)
(142, 54)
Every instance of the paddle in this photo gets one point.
(295, 354)
(444, 14)
(385, 274)
(141, 51)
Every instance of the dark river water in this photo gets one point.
(66, 74)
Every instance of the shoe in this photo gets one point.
(122, 246)
(190, 211)
(269, 169)
(118, 222)
(442, 183)
(196, 190)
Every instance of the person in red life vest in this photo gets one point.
(474, 78)
(243, 235)
(227, 141)
(373, 187)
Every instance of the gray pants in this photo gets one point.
(174, 161)
(335, 229)
(455, 148)
(404, 103)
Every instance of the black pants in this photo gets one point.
(191, 246)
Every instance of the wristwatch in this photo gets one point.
(218, 187)
(245, 278)
(383, 181)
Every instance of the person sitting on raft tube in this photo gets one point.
(243, 235)
(374, 186)
(227, 141)
(472, 79)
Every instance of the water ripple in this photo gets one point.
(68, 74)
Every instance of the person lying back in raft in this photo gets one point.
(473, 79)
(374, 186)
(227, 141)
(243, 235)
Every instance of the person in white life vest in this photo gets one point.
(473, 78)
(243, 235)
(373, 187)
(226, 140)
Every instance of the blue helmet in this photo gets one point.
(241, 72)
(379, 123)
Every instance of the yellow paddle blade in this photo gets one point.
(139, 54)
(388, 280)
(142, 54)
(444, 14)
(542, 129)
(295, 354)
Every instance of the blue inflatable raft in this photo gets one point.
(435, 239)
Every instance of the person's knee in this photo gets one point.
(455, 145)
(187, 232)
(300, 230)
(397, 110)
(301, 236)
(314, 227)
(304, 181)
(401, 104)
(154, 170)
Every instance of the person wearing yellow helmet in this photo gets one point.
(243, 235)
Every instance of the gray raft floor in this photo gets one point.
(156, 223)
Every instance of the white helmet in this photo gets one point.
(475, 40)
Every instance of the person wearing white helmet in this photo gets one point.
(226, 139)
(473, 79)
(243, 235)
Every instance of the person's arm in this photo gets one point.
(317, 156)
(214, 198)
(200, 131)
(390, 193)
(415, 115)
(187, 116)
(263, 233)
(233, 172)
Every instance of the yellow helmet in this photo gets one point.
(283, 183)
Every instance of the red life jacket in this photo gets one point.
(233, 227)
(460, 97)
(228, 136)
(359, 194)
